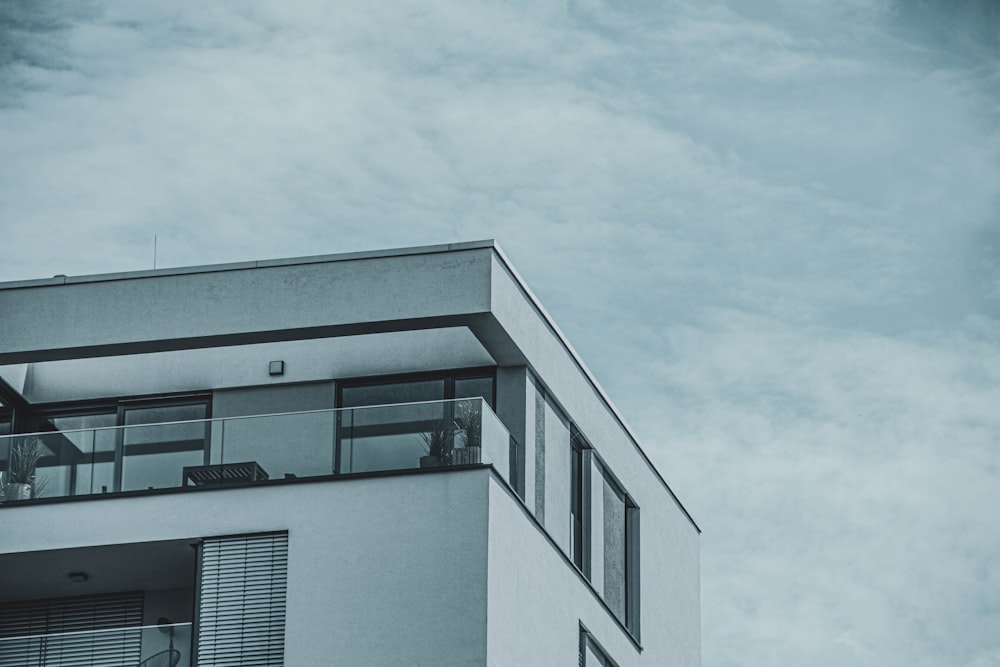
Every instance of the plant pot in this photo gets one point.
(17, 492)
(466, 456)
(429, 461)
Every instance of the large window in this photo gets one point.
(421, 427)
(604, 527)
(413, 388)
(82, 450)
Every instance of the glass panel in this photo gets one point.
(88, 454)
(107, 646)
(592, 655)
(475, 388)
(593, 658)
(33, 468)
(496, 442)
(576, 503)
(154, 456)
(384, 394)
(281, 446)
(596, 526)
(614, 549)
(558, 475)
(247, 449)
(395, 437)
(5, 424)
(169, 639)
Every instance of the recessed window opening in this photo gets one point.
(604, 529)
(592, 654)
(83, 449)
(422, 424)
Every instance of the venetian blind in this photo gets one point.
(84, 631)
(241, 607)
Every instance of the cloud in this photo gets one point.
(770, 227)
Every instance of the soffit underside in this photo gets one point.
(222, 367)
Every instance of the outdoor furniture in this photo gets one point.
(168, 658)
(225, 473)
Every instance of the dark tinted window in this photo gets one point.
(399, 392)
(473, 387)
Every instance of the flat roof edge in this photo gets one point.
(561, 337)
(255, 264)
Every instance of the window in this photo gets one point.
(414, 388)
(241, 600)
(161, 439)
(84, 630)
(6, 420)
(591, 653)
(419, 428)
(85, 452)
(576, 511)
(604, 525)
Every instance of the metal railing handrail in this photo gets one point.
(98, 631)
(235, 417)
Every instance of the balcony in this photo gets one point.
(255, 449)
(111, 605)
(160, 645)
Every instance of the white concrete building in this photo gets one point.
(383, 458)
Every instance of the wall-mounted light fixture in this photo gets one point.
(276, 368)
(78, 577)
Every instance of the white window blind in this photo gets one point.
(85, 631)
(241, 605)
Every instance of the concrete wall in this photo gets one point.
(670, 613)
(388, 571)
(537, 602)
(473, 287)
(247, 365)
(273, 399)
(179, 309)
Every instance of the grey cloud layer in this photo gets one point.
(770, 227)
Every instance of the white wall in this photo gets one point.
(537, 601)
(383, 571)
(670, 613)
(247, 365)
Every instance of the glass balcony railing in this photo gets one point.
(168, 644)
(255, 448)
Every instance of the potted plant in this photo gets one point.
(20, 481)
(437, 445)
(468, 432)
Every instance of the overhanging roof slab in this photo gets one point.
(244, 303)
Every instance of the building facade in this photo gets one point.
(384, 458)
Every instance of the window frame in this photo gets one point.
(588, 641)
(584, 458)
(118, 407)
(449, 376)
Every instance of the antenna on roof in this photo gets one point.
(154, 252)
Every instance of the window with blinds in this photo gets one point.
(241, 603)
(85, 631)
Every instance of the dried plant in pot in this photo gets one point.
(457, 441)
(468, 432)
(20, 481)
(437, 443)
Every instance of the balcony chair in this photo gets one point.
(169, 657)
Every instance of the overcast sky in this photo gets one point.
(769, 226)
